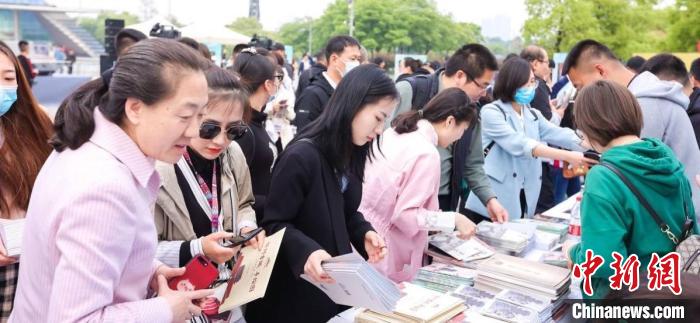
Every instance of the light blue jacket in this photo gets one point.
(510, 165)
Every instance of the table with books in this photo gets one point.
(512, 272)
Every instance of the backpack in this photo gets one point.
(687, 246)
(424, 87)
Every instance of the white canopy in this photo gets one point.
(213, 34)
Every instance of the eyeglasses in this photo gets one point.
(279, 77)
(209, 130)
(483, 87)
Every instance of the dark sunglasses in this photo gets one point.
(210, 130)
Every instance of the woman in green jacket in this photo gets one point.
(612, 218)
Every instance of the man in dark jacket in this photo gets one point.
(539, 62)
(310, 73)
(342, 54)
(694, 107)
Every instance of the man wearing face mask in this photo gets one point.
(471, 69)
(342, 54)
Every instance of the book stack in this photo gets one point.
(418, 305)
(443, 277)
(559, 229)
(358, 284)
(535, 279)
(506, 237)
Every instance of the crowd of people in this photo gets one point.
(165, 156)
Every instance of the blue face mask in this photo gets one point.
(524, 95)
(8, 96)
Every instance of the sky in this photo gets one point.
(490, 14)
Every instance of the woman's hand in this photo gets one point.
(181, 302)
(465, 227)
(213, 249)
(375, 247)
(166, 272)
(576, 159)
(256, 242)
(313, 267)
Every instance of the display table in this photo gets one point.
(560, 211)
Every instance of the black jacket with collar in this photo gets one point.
(305, 198)
(694, 113)
(312, 101)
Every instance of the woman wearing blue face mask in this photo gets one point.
(514, 137)
(24, 134)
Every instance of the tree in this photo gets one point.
(684, 33)
(96, 26)
(250, 26)
(626, 26)
(385, 25)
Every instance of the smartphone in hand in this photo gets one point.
(200, 273)
(239, 240)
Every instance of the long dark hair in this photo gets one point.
(451, 102)
(149, 71)
(332, 131)
(26, 130)
(513, 75)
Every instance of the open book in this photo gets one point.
(251, 273)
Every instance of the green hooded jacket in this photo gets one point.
(613, 219)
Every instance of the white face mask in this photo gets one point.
(349, 65)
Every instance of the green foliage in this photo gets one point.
(96, 26)
(684, 34)
(250, 26)
(626, 26)
(384, 26)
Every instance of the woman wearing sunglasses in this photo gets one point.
(515, 137)
(258, 74)
(207, 196)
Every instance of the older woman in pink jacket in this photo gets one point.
(401, 185)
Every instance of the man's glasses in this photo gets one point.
(209, 130)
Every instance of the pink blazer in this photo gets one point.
(90, 240)
(400, 186)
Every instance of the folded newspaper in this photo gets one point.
(509, 237)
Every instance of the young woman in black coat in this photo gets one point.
(315, 191)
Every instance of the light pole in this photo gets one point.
(311, 24)
(351, 20)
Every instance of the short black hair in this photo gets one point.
(509, 56)
(189, 42)
(134, 35)
(532, 53)
(238, 48)
(635, 63)
(378, 60)
(668, 68)
(320, 55)
(584, 50)
(695, 69)
(337, 45)
(513, 75)
(22, 43)
(277, 46)
(473, 60)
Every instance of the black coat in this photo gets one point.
(541, 100)
(305, 198)
(694, 113)
(260, 152)
(307, 76)
(312, 101)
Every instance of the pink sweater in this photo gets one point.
(399, 193)
(90, 239)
